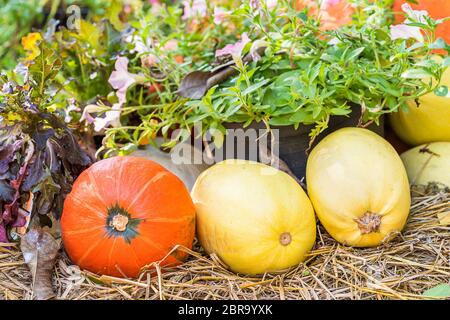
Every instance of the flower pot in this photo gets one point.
(293, 143)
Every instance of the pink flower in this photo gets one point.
(254, 49)
(254, 4)
(171, 45)
(326, 3)
(219, 15)
(417, 15)
(111, 118)
(71, 107)
(271, 4)
(403, 31)
(105, 119)
(197, 9)
(235, 50)
(91, 108)
(121, 79)
(149, 60)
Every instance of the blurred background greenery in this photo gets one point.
(19, 17)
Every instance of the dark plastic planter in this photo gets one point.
(293, 144)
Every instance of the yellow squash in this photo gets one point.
(428, 163)
(358, 187)
(255, 218)
(427, 122)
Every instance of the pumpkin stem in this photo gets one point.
(119, 222)
(369, 222)
(285, 238)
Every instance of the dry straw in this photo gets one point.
(413, 262)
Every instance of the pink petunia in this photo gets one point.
(219, 15)
(417, 15)
(194, 9)
(403, 31)
(105, 119)
(111, 118)
(235, 50)
(171, 45)
(256, 4)
(121, 79)
(271, 4)
(254, 49)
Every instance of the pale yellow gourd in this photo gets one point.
(256, 218)
(425, 122)
(358, 187)
(429, 163)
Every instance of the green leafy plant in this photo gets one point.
(303, 76)
(19, 17)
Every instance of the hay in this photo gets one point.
(414, 261)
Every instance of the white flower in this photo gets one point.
(71, 107)
(403, 31)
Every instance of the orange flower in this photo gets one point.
(31, 44)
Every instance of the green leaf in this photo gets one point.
(277, 96)
(439, 291)
(340, 112)
(301, 116)
(416, 74)
(45, 67)
(255, 86)
(355, 53)
(280, 121)
(91, 35)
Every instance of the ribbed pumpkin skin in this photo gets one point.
(161, 215)
(358, 186)
(245, 209)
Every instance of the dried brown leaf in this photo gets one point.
(39, 251)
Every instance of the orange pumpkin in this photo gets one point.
(124, 213)
(332, 13)
(437, 9)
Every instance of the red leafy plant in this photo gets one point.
(39, 155)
